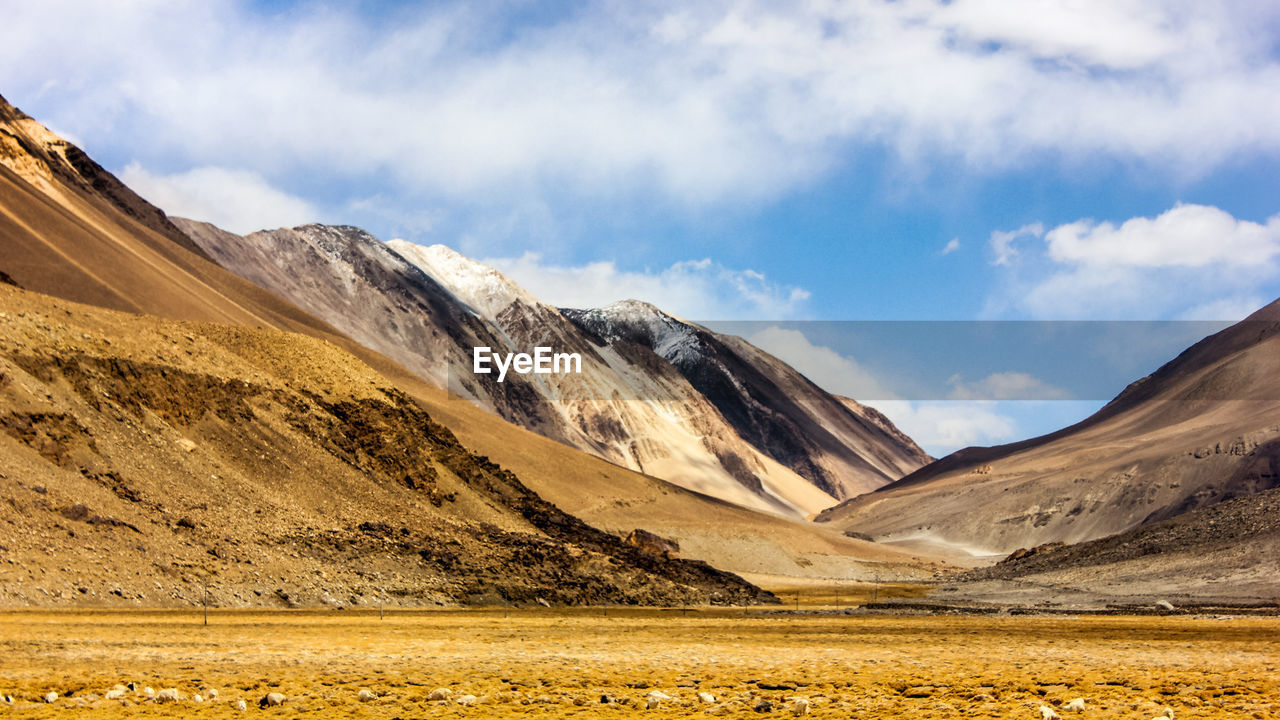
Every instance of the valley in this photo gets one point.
(589, 662)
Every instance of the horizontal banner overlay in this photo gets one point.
(868, 360)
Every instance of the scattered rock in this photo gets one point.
(763, 705)
(51, 697)
(1165, 605)
(799, 706)
(274, 699)
(1076, 706)
(366, 695)
(1048, 713)
(655, 698)
(706, 697)
(241, 705)
(918, 691)
(467, 700)
(168, 695)
(440, 694)
(652, 543)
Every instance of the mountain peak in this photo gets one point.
(484, 288)
(66, 174)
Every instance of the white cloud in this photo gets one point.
(693, 289)
(235, 200)
(729, 99)
(1185, 236)
(1005, 386)
(951, 246)
(827, 368)
(1002, 242)
(1192, 262)
(941, 427)
(1117, 34)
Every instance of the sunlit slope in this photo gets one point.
(67, 240)
(1203, 428)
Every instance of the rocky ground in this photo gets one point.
(154, 463)
(590, 662)
(1228, 552)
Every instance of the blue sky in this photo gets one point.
(913, 160)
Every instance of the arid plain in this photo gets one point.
(590, 662)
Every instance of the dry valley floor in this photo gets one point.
(563, 663)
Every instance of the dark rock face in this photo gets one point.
(1235, 525)
(427, 308)
(652, 543)
(775, 409)
(391, 446)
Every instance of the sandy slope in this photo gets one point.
(1203, 428)
(145, 459)
(64, 239)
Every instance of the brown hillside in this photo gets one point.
(63, 239)
(145, 460)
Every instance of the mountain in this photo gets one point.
(63, 238)
(839, 445)
(155, 458)
(1227, 551)
(371, 294)
(688, 393)
(1202, 429)
(427, 307)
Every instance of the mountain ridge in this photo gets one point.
(1193, 433)
(610, 411)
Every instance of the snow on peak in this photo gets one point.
(486, 290)
(670, 337)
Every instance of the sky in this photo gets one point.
(1038, 160)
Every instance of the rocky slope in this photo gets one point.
(371, 294)
(427, 307)
(145, 460)
(1200, 430)
(64, 238)
(631, 404)
(840, 446)
(1228, 550)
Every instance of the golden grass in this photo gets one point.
(557, 663)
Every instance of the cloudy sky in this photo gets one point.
(910, 160)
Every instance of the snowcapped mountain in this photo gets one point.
(627, 405)
(355, 282)
(655, 394)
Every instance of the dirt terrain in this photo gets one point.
(72, 231)
(147, 462)
(1203, 429)
(544, 663)
(1227, 551)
